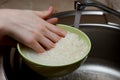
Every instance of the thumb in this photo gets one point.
(46, 13)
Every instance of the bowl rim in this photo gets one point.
(83, 56)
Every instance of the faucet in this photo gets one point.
(80, 5)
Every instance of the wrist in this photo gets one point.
(2, 28)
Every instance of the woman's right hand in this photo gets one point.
(31, 28)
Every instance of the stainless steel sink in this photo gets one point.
(103, 62)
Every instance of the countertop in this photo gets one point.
(44, 4)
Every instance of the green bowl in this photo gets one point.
(57, 71)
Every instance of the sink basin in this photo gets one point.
(103, 62)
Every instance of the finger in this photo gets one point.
(52, 20)
(25, 38)
(46, 42)
(36, 47)
(52, 36)
(56, 30)
(46, 13)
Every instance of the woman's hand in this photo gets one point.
(31, 28)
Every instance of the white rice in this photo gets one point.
(67, 50)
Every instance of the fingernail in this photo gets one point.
(53, 45)
(64, 33)
(41, 51)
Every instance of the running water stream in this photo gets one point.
(77, 18)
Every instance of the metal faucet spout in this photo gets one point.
(81, 4)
